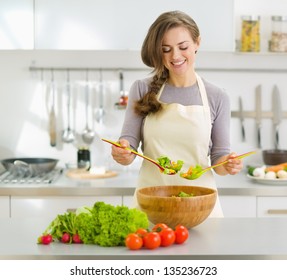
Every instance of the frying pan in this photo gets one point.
(29, 166)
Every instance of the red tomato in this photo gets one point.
(159, 227)
(151, 240)
(134, 241)
(141, 232)
(65, 237)
(167, 236)
(181, 234)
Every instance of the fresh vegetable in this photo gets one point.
(134, 241)
(282, 174)
(161, 235)
(192, 172)
(183, 194)
(158, 227)
(151, 240)
(181, 234)
(141, 232)
(170, 167)
(276, 168)
(102, 224)
(66, 238)
(167, 237)
(45, 239)
(259, 172)
(270, 175)
(108, 225)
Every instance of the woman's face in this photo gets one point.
(178, 51)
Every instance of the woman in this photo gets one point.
(176, 113)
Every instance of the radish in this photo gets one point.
(65, 237)
(76, 238)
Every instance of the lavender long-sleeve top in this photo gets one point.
(219, 104)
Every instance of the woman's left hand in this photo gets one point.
(234, 165)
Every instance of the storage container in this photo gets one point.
(250, 34)
(278, 42)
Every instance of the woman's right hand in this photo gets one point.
(122, 156)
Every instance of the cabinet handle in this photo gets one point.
(277, 211)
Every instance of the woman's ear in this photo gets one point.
(197, 44)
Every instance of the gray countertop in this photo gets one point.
(125, 182)
(215, 238)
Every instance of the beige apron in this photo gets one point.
(181, 133)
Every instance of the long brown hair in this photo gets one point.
(151, 54)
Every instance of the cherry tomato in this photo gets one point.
(65, 237)
(141, 232)
(159, 227)
(181, 234)
(151, 240)
(133, 241)
(167, 236)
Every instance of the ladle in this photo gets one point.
(88, 134)
(194, 172)
(162, 169)
(68, 135)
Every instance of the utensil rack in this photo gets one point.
(39, 68)
(252, 114)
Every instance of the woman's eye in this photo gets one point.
(166, 50)
(183, 48)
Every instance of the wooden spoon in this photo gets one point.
(162, 169)
(195, 174)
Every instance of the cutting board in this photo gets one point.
(84, 174)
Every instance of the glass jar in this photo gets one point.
(84, 158)
(278, 42)
(250, 34)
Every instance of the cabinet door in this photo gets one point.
(238, 206)
(4, 207)
(272, 206)
(44, 206)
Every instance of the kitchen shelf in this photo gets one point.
(133, 69)
(252, 114)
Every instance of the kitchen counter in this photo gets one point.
(215, 238)
(125, 182)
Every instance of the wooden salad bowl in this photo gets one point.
(163, 205)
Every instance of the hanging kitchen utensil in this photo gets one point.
(52, 114)
(241, 116)
(258, 115)
(68, 135)
(88, 134)
(101, 111)
(277, 115)
(123, 101)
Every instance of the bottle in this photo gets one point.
(250, 34)
(84, 158)
(278, 42)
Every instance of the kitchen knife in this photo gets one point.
(277, 115)
(258, 114)
(241, 116)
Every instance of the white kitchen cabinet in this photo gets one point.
(271, 206)
(45, 206)
(238, 206)
(4, 207)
